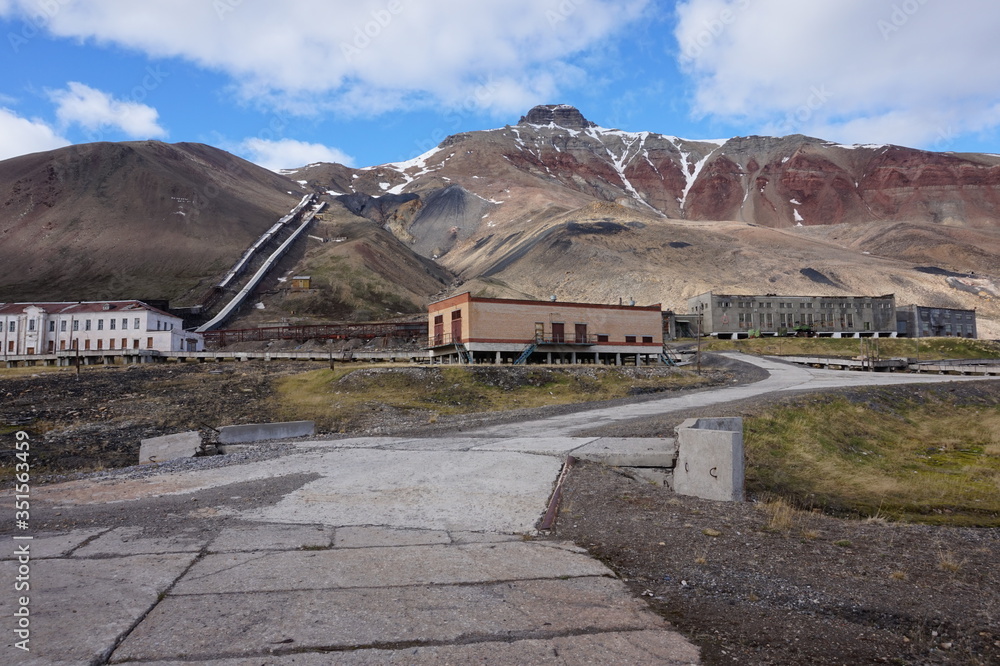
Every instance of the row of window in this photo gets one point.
(948, 314)
(766, 320)
(823, 305)
(87, 324)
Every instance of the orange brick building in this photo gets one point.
(465, 328)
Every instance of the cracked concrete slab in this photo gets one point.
(553, 446)
(642, 646)
(81, 607)
(54, 544)
(630, 451)
(250, 538)
(130, 541)
(367, 537)
(383, 567)
(444, 490)
(248, 624)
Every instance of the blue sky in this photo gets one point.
(373, 81)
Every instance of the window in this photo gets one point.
(124, 323)
(768, 320)
(52, 327)
(135, 343)
(76, 324)
(808, 319)
(850, 319)
(745, 319)
(86, 344)
(629, 338)
(86, 325)
(111, 343)
(10, 345)
(111, 324)
(647, 339)
(158, 324)
(31, 324)
(149, 343)
(135, 324)
(100, 343)
(100, 324)
(11, 326)
(602, 337)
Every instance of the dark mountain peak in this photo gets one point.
(563, 115)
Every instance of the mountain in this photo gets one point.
(559, 205)
(555, 204)
(137, 219)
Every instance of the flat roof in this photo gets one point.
(468, 297)
(81, 307)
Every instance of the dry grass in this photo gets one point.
(883, 458)
(781, 516)
(925, 348)
(947, 561)
(345, 397)
(898, 575)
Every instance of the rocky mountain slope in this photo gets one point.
(137, 220)
(555, 204)
(559, 205)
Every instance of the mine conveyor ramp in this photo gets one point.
(237, 301)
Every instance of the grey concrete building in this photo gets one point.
(918, 321)
(735, 316)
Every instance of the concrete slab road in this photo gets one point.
(386, 550)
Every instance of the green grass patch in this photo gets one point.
(921, 459)
(925, 348)
(344, 398)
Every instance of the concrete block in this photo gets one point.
(257, 432)
(655, 475)
(710, 459)
(630, 451)
(169, 447)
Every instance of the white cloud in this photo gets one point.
(363, 56)
(95, 110)
(289, 153)
(19, 136)
(905, 71)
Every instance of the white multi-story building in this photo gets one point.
(45, 328)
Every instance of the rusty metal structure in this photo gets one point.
(362, 330)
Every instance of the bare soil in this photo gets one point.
(746, 582)
(818, 590)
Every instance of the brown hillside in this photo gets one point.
(127, 220)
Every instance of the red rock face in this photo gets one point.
(931, 187)
(791, 180)
(717, 193)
